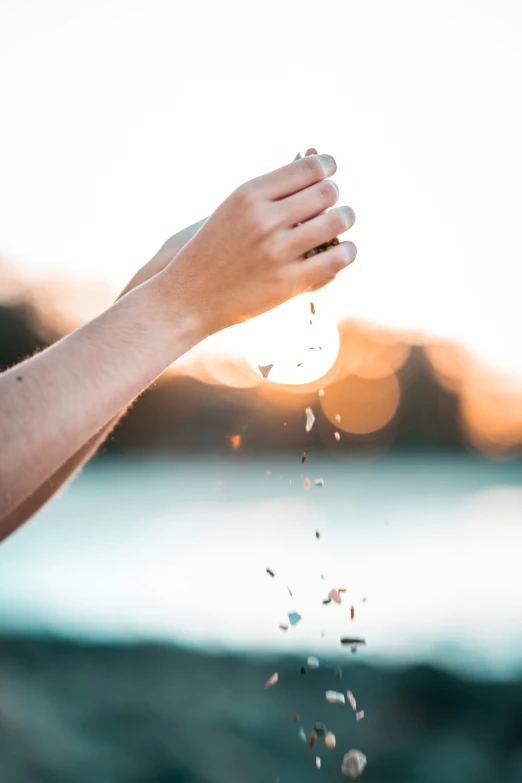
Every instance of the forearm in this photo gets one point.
(72, 390)
(32, 504)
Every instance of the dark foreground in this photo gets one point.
(158, 714)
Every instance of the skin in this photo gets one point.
(243, 260)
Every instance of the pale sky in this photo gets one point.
(123, 122)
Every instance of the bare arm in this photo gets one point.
(247, 258)
(31, 505)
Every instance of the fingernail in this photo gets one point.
(350, 251)
(329, 164)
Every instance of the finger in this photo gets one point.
(314, 270)
(294, 177)
(319, 230)
(323, 284)
(297, 156)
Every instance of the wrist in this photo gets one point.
(177, 327)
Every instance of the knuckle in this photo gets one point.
(245, 194)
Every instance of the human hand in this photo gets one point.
(249, 256)
(163, 257)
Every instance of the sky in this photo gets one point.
(123, 122)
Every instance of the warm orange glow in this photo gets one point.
(234, 441)
(364, 405)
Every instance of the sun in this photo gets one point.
(301, 346)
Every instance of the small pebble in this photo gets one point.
(320, 729)
(359, 715)
(337, 436)
(319, 482)
(312, 308)
(303, 458)
(312, 739)
(318, 762)
(353, 763)
(302, 734)
(294, 617)
(349, 640)
(317, 534)
(270, 572)
(271, 681)
(338, 674)
(329, 740)
(284, 627)
(337, 418)
(334, 595)
(310, 418)
(265, 370)
(304, 670)
(313, 663)
(306, 483)
(352, 612)
(296, 718)
(327, 601)
(334, 697)
(351, 699)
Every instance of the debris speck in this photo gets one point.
(318, 762)
(291, 594)
(302, 734)
(271, 681)
(304, 670)
(341, 590)
(284, 627)
(300, 363)
(294, 617)
(19, 377)
(296, 718)
(269, 571)
(313, 663)
(364, 600)
(321, 392)
(265, 370)
(334, 697)
(310, 418)
(337, 436)
(338, 674)
(329, 740)
(312, 739)
(234, 441)
(349, 640)
(306, 483)
(317, 534)
(353, 763)
(352, 612)
(359, 715)
(337, 418)
(334, 595)
(319, 482)
(351, 699)
(320, 729)
(303, 458)
(327, 601)
(312, 308)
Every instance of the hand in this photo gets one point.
(163, 257)
(249, 255)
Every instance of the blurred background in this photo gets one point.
(138, 622)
